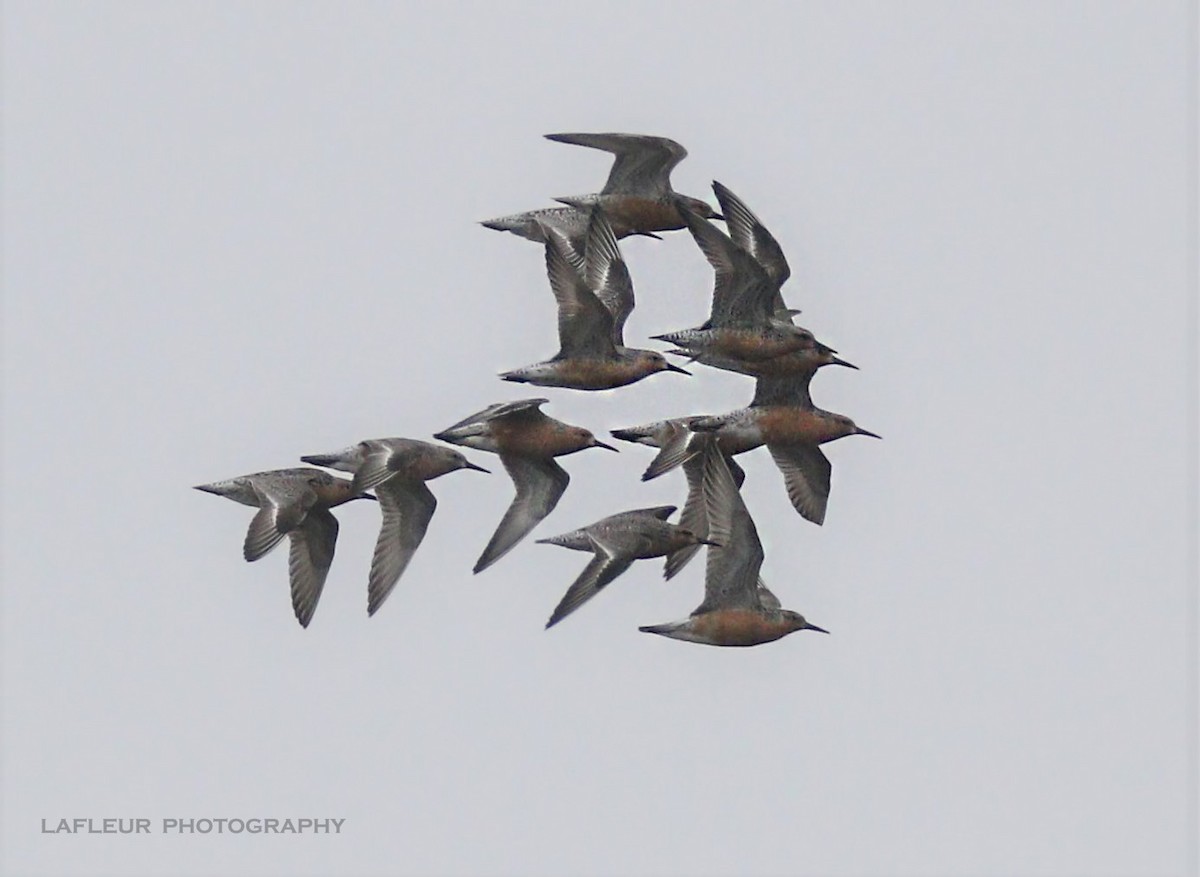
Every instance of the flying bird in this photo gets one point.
(397, 469)
(616, 542)
(527, 441)
(293, 503)
(595, 296)
(638, 194)
(742, 322)
(738, 608)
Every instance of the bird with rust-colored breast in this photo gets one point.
(527, 441)
(781, 416)
(742, 322)
(637, 195)
(594, 295)
(738, 608)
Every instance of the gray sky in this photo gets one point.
(238, 233)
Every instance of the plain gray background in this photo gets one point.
(238, 233)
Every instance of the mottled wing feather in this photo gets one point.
(692, 518)
(585, 326)
(311, 555)
(806, 473)
(790, 389)
(407, 508)
(751, 235)
(742, 292)
(498, 409)
(376, 466)
(642, 166)
(676, 447)
(606, 273)
(540, 484)
(284, 502)
(263, 535)
(731, 575)
(601, 570)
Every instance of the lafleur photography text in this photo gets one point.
(214, 825)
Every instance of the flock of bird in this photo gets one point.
(750, 331)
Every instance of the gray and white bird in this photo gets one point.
(397, 469)
(617, 541)
(293, 503)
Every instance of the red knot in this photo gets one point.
(638, 194)
(617, 541)
(805, 361)
(293, 503)
(738, 608)
(679, 446)
(397, 469)
(592, 310)
(527, 441)
(782, 417)
(742, 322)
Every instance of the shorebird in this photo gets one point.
(742, 321)
(805, 361)
(638, 194)
(397, 469)
(783, 417)
(592, 310)
(293, 503)
(738, 608)
(617, 541)
(679, 446)
(527, 441)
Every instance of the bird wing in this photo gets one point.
(309, 559)
(731, 574)
(790, 389)
(674, 449)
(585, 325)
(751, 235)
(540, 484)
(806, 472)
(407, 508)
(606, 273)
(742, 292)
(493, 411)
(377, 464)
(693, 517)
(605, 566)
(283, 504)
(642, 166)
